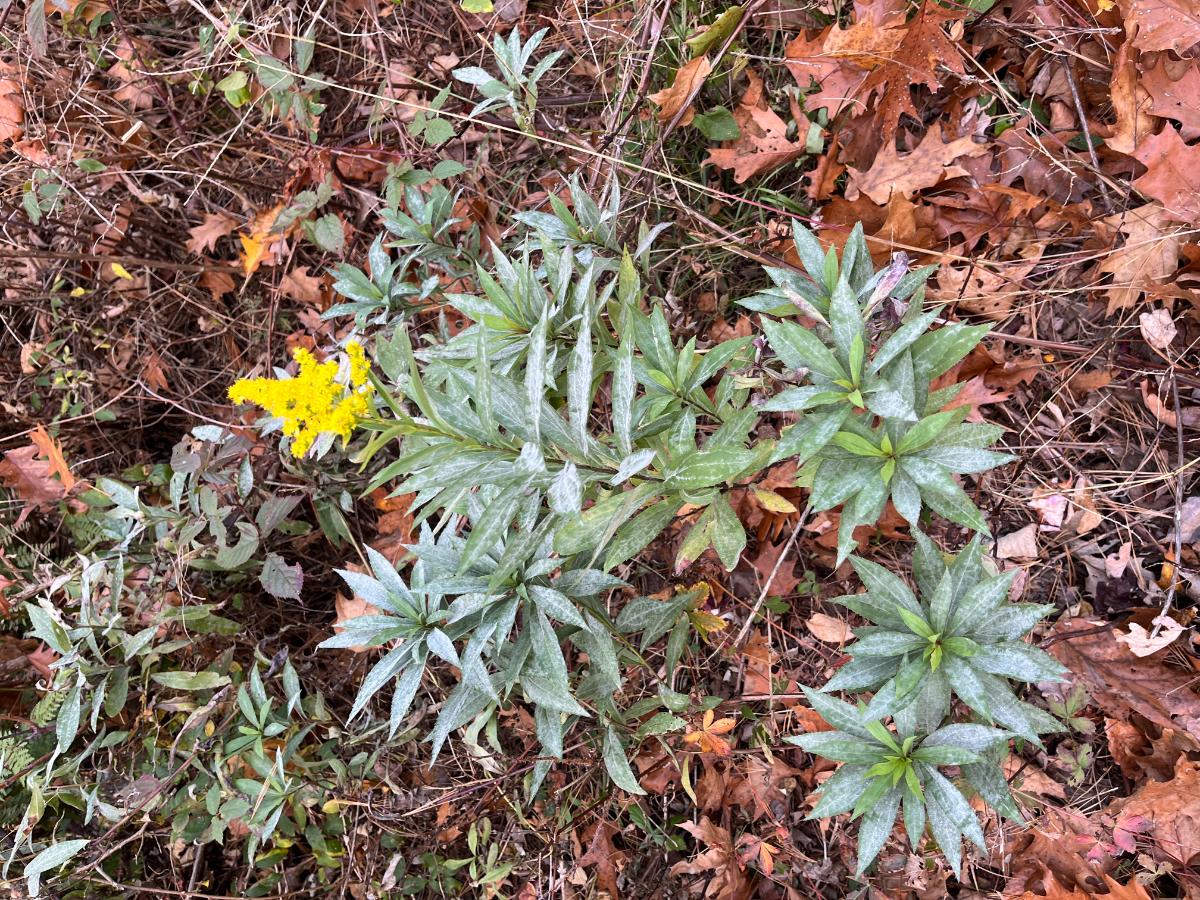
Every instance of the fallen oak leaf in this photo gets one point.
(204, 236)
(1168, 813)
(1130, 101)
(51, 450)
(1149, 256)
(1139, 755)
(671, 100)
(604, 855)
(37, 473)
(924, 49)
(728, 881)
(1123, 684)
(300, 285)
(762, 145)
(1172, 174)
(1163, 24)
(1090, 380)
(1172, 86)
(930, 161)
(1063, 847)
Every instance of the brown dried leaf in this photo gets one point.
(604, 855)
(765, 786)
(762, 146)
(828, 629)
(931, 161)
(218, 283)
(924, 49)
(1123, 684)
(1089, 380)
(671, 100)
(1173, 86)
(299, 285)
(204, 236)
(12, 102)
(1162, 24)
(1020, 544)
(728, 881)
(1167, 813)
(37, 472)
(760, 660)
(1027, 778)
(1173, 174)
(1140, 755)
(51, 450)
(1131, 102)
(1066, 845)
(1148, 257)
(785, 580)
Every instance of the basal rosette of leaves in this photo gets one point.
(962, 638)
(883, 772)
(871, 428)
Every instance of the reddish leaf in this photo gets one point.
(1172, 176)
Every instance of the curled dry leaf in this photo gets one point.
(1158, 328)
(204, 236)
(1149, 256)
(1188, 416)
(1142, 755)
(352, 608)
(1021, 544)
(1140, 642)
(1065, 847)
(728, 880)
(828, 629)
(1123, 684)
(671, 100)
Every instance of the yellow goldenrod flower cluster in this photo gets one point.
(314, 401)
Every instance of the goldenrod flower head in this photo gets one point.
(314, 401)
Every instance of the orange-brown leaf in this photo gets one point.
(671, 100)
(1172, 174)
(51, 451)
